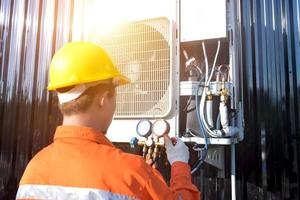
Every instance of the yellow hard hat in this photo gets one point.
(82, 62)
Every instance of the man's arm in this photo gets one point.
(181, 186)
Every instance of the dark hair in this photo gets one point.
(83, 102)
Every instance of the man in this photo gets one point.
(81, 163)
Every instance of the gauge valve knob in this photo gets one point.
(133, 142)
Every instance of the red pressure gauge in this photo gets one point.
(160, 127)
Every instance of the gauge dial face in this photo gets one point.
(143, 128)
(160, 127)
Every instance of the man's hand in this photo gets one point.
(176, 150)
(150, 162)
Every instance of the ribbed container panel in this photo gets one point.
(268, 164)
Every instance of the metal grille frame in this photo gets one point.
(143, 51)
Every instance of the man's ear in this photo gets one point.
(101, 100)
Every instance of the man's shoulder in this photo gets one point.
(128, 160)
(132, 165)
(36, 165)
(118, 154)
(40, 159)
(132, 158)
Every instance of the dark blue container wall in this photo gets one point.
(268, 158)
(30, 31)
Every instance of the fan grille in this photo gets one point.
(141, 51)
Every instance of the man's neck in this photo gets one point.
(83, 120)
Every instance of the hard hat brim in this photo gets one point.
(122, 80)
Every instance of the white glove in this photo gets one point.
(177, 152)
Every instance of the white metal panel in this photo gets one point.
(202, 19)
(124, 130)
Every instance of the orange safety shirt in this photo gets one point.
(82, 164)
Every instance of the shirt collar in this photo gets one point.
(81, 132)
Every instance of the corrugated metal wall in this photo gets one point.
(269, 156)
(268, 159)
(30, 31)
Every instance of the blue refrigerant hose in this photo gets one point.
(204, 150)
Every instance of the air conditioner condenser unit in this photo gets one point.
(143, 51)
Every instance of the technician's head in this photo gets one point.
(85, 78)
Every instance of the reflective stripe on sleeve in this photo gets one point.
(62, 193)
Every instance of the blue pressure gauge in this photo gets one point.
(143, 128)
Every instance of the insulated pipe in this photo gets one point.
(227, 131)
(209, 109)
(218, 126)
(202, 118)
(223, 115)
(209, 112)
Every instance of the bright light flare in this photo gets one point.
(104, 15)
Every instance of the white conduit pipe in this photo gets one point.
(214, 64)
(206, 62)
(233, 173)
(202, 101)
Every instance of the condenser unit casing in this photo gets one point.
(144, 52)
(150, 52)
